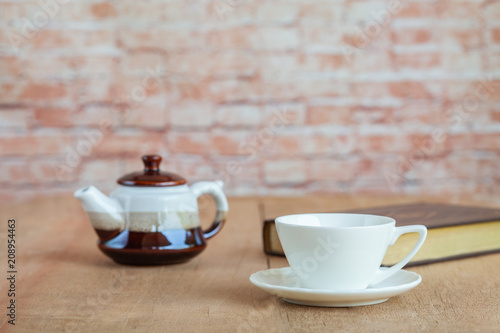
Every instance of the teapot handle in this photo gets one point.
(214, 189)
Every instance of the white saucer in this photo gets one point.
(282, 282)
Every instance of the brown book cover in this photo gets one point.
(476, 229)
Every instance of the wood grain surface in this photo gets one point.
(66, 284)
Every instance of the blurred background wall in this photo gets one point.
(273, 97)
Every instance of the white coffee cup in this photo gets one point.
(342, 251)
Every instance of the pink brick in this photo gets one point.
(103, 10)
(411, 9)
(129, 90)
(495, 35)
(488, 167)
(462, 141)
(373, 115)
(493, 87)
(486, 141)
(320, 62)
(152, 116)
(334, 170)
(416, 61)
(428, 168)
(289, 145)
(413, 89)
(458, 90)
(263, 38)
(321, 144)
(372, 187)
(329, 115)
(462, 166)
(9, 11)
(193, 168)
(316, 37)
(321, 88)
(184, 89)
(387, 168)
(232, 13)
(138, 63)
(495, 115)
(275, 38)
(91, 90)
(285, 172)
(16, 118)
(238, 37)
(34, 145)
(466, 38)
(43, 91)
(362, 11)
(100, 170)
(163, 39)
(239, 115)
(164, 11)
(98, 115)
(95, 65)
(413, 36)
(277, 11)
(188, 142)
(429, 145)
(491, 11)
(49, 66)
(239, 176)
(419, 113)
(343, 144)
(232, 90)
(133, 144)
(463, 62)
(10, 92)
(77, 11)
(282, 115)
(234, 142)
(192, 113)
(54, 39)
(371, 90)
(10, 65)
(16, 172)
(493, 61)
(320, 11)
(465, 10)
(370, 61)
(362, 38)
(276, 89)
(54, 117)
(282, 145)
(45, 171)
(389, 143)
(133, 164)
(224, 64)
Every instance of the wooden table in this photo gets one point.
(64, 283)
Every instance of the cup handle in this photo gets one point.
(381, 275)
(214, 189)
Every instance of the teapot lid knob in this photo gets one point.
(151, 176)
(151, 163)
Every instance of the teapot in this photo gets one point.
(152, 217)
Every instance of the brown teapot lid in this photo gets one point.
(151, 176)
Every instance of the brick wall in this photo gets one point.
(274, 97)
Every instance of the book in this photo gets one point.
(453, 232)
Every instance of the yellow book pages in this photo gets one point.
(448, 242)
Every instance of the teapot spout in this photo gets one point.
(105, 213)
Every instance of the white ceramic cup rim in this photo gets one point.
(291, 221)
